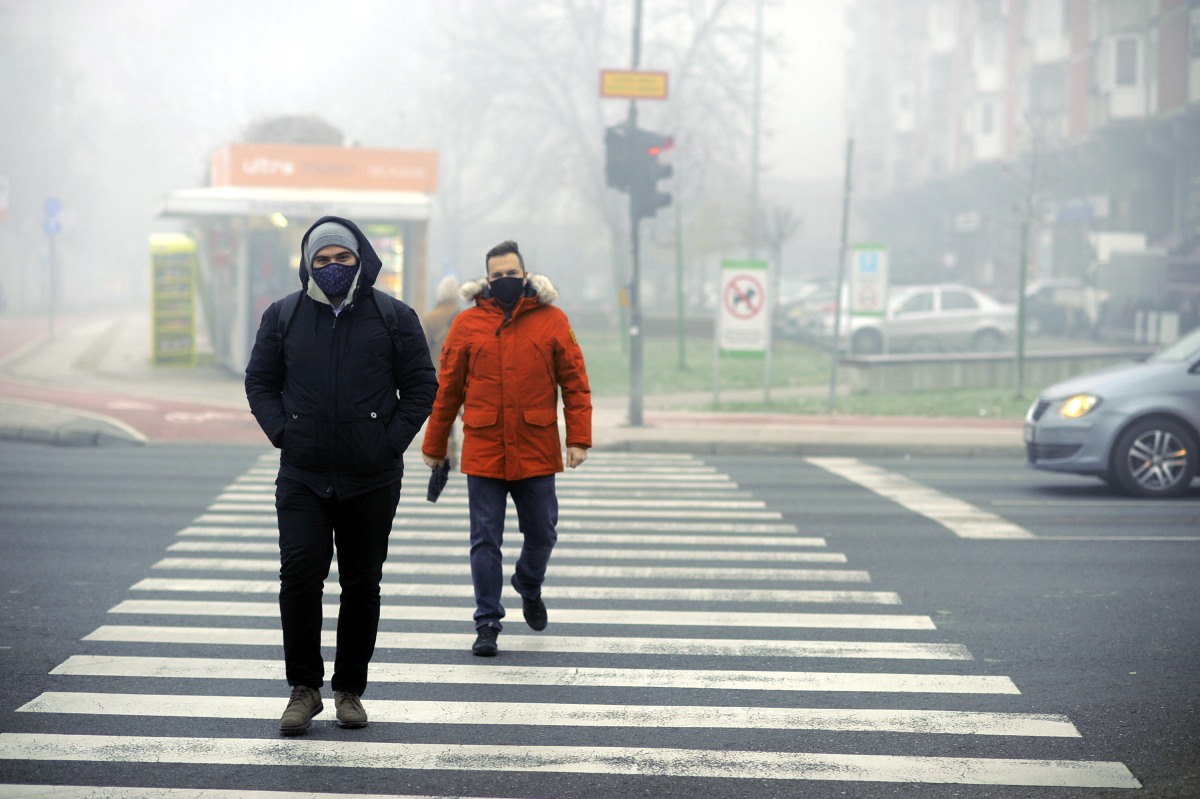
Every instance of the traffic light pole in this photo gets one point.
(636, 387)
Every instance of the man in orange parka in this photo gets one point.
(504, 361)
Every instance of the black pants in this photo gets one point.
(309, 526)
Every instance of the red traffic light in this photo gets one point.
(667, 144)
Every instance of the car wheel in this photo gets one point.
(987, 341)
(1155, 458)
(866, 342)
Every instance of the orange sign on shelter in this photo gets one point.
(305, 166)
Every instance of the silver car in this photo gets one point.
(945, 317)
(1135, 426)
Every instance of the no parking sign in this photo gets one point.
(868, 279)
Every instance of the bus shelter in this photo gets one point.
(247, 224)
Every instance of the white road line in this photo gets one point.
(632, 761)
(671, 618)
(571, 538)
(961, 518)
(560, 570)
(709, 647)
(1126, 538)
(590, 525)
(560, 592)
(572, 676)
(266, 502)
(560, 552)
(436, 511)
(481, 714)
(116, 792)
(563, 492)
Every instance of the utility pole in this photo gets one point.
(636, 386)
(1022, 277)
(841, 281)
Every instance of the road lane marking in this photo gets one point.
(561, 570)
(558, 676)
(266, 502)
(710, 647)
(547, 714)
(590, 525)
(631, 761)
(418, 512)
(560, 552)
(573, 538)
(667, 618)
(621, 593)
(961, 518)
(118, 792)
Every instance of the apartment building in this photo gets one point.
(1075, 120)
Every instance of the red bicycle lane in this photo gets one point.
(154, 419)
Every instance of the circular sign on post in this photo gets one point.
(52, 226)
(52, 207)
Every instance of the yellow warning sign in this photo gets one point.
(633, 84)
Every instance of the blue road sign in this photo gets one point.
(52, 226)
(52, 206)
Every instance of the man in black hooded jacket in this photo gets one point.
(341, 392)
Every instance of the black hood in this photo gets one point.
(367, 258)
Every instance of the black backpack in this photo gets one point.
(291, 302)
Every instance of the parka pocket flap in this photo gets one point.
(540, 417)
(479, 418)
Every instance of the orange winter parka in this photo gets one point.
(505, 370)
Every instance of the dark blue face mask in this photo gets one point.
(335, 279)
(507, 290)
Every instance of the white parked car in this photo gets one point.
(944, 317)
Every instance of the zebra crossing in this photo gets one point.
(679, 606)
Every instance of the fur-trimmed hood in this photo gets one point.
(538, 286)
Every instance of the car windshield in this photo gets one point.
(1185, 349)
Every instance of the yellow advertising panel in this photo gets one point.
(173, 299)
(305, 166)
(633, 84)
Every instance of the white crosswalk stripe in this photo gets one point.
(631, 761)
(717, 652)
(465, 591)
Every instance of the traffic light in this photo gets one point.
(645, 171)
(616, 157)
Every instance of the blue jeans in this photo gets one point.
(537, 516)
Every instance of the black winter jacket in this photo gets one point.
(338, 398)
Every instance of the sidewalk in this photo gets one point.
(44, 386)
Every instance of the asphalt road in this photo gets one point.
(1070, 643)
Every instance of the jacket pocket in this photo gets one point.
(479, 418)
(540, 417)
(366, 447)
(299, 442)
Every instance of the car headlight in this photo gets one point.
(1079, 405)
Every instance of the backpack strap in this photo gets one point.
(287, 309)
(386, 310)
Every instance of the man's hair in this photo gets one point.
(503, 248)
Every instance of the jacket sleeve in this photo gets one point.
(265, 376)
(416, 381)
(573, 382)
(452, 380)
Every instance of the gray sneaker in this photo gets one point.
(304, 703)
(350, 713)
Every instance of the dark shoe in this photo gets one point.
(485, 642)
(304, 703)
(350, 713)
(533, 607)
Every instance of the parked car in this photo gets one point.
(943, 317)
(1062, 306)
(1135, 426)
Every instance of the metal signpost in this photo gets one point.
(53, 226)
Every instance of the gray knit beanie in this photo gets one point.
(328, 233)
